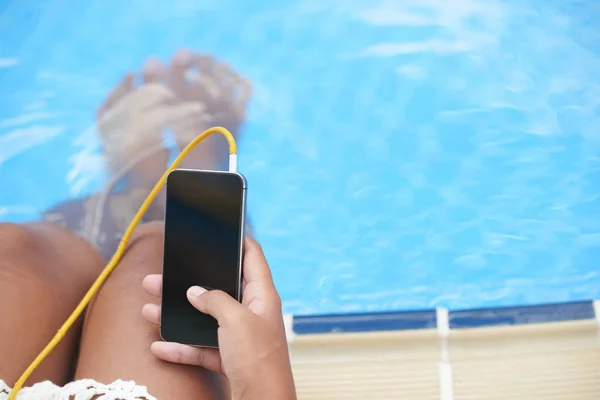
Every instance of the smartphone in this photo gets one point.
(204, 235)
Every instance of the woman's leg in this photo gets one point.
(116, 339)
(44, 272)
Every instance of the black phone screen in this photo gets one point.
(203, 239)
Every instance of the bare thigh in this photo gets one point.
(44, 272)
(116, 339)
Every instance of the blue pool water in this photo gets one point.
(400, 154)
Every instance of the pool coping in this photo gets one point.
(443, 318)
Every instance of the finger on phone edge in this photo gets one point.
(184, 354)
(255, 266)
(151, 313)
(152, 284)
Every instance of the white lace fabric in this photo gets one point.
(85, 389)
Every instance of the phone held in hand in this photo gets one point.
(204, 236)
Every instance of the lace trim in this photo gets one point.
(85, 389)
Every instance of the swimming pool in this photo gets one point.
(399, 156)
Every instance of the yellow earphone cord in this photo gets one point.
(114, 261)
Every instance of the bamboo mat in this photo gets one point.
(549, 361)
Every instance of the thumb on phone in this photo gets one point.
(215, 303)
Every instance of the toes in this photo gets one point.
(205, 64)
(125, 86)
(183, 59)
(177, 76)
(153, 71)
(226, 79)
(225, 75)
(236, 89)
(235, 94)
(242, 94)
(200, 78)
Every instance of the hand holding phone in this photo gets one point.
(253, 352)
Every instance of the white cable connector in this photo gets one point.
(233, 163)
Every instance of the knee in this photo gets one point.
(147, 239)
(21, 255)
(46, 252)
(143, 256)
(17, 241)
(149, 231)
(144, 252)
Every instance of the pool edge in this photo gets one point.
(430, 319)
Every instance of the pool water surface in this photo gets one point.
(400, 155)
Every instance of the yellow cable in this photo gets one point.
(114, 261)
